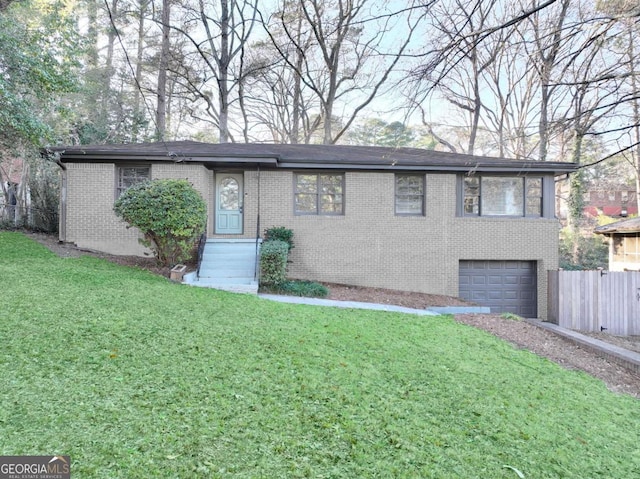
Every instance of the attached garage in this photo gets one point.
(504, 286)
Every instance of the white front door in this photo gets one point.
(229, 198)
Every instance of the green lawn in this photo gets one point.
(135, 377)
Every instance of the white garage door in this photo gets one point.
(504, 286)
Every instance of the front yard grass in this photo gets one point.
(135, 377)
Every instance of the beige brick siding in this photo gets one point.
(368, 246)
(91, 222)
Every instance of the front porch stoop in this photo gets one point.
(228, 265)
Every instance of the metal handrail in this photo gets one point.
(256, 267)
(201, 244)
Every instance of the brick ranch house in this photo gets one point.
(403, 218)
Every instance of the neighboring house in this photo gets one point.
(624, 244)
(417, 220)
(615, 203)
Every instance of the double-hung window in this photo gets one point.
(409, 195)
(502, 196)
(128, 176)
(319, 194)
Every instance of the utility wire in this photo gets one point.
(608, 157)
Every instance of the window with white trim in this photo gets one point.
(319, 194)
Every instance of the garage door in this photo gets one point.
(504, 286)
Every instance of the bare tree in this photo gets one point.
(161, 106)
(275, 95)
(460, 24)
(220, 54)
(543, 68)
(547, 28)
(138, 111)
(342, 55)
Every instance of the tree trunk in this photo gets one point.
(161, 110)
(92, 33)
(294, 135)
(223, 73)
(636, 111)
(137, 112)
(477, 104)
(548, 62)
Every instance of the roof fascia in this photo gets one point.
(207, 160)
(273, 161)
(519, 169)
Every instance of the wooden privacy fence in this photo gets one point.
(595, 301)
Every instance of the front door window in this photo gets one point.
(229, 203)
(229, 194)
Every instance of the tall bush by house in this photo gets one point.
(170, 213)
(273, 262)
(279, 233)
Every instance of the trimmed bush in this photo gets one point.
(308, 289)
(273, 262)
(171, 215)
(279, 233)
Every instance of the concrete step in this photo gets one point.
(243, 285)
(226, 273)
(229, 256)
(230, 245)
(228, 265)
(229, 248)
(241, 280)
(231, 261)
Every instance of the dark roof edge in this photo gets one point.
(289, 157)
(555, 169)
(102, 158)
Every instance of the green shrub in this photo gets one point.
(305, 288)
(511, 316)
(308, 289)
(578, 252)
(273, 262)
(171, 215)
(279, 233)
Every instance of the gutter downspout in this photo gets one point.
(62, 221)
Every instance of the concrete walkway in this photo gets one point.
(346, 304)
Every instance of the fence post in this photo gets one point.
(552, 296)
